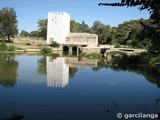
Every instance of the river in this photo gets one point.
(70, 88)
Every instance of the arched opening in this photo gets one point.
(65, 48)
(84, 45)
(74, 49)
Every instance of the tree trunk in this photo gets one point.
(9, 38)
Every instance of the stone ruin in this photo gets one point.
(58, 29)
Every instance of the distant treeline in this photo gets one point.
(134, 33)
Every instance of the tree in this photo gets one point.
(85, 28)
(34, 33)
(75, 26)
(80, 27)
(24, 33)
(42, 31)
(103, 31)
(136, 35)
(131, 33)
(153, 6)
(8, 22)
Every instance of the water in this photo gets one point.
(66, 88)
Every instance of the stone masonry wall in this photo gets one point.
(82, 38)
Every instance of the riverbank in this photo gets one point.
(34, 45)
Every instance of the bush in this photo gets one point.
(3, 47)
(46, 50)
(11, 48)
(117, 46)
(55, 44)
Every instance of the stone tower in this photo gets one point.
(58, 27)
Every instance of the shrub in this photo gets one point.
(55, 55)
(55, 44)
(11, 48)
(3, 47)
(46, 50)
(117, 46)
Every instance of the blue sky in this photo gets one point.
(29, 11)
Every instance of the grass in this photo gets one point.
(91, 55)
(46, 50)
(117, 46)
(4, 47)
(11, 48)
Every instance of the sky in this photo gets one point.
(30, 11)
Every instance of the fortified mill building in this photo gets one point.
(58, 29)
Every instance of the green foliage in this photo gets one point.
(46, 50)
(130, 31)
(55, 44)
(91, 55)
(79, 27)
(135, 33)
(152, 30)
(24, 34)
(11, 48)
(34, 33)
(144, 64)
(72, 72)
(117, 46)
(42, 31)
(3, 47)
(103, 31)
(8, 22)
(141, 59)
(150, 5)
(42, 66)
(8, 70)
(155, 59)
(75, 26)
(55, 55)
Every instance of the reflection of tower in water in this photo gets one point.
(57, 72)
(58, 69)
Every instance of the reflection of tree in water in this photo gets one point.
(100, 65)
(143, 64)
(113, 109)
(42, 66)
(8, 70)
(72, 72)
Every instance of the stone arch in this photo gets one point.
(111, 54)
(116, 53)
(65, 48)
